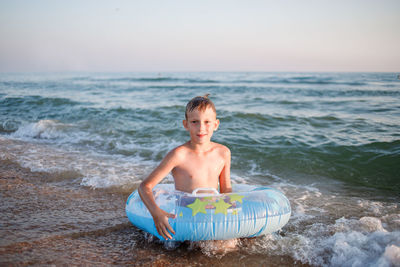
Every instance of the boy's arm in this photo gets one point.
(225, 176)
(145, 190)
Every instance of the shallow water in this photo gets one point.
(329, 141)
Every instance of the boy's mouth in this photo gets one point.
(201, 135)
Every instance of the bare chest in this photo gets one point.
(198, 171)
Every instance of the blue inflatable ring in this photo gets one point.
(247, 212)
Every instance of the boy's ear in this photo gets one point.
(184, 122)
(216, 124)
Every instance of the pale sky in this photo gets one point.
(202, 35)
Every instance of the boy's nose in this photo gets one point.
(202, 125)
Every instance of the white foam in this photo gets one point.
(43, 129)
(239, 179)
(371, 224)
(255, 171)
(347, 242)
(306, 201)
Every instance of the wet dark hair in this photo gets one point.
(200, 103)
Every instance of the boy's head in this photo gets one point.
(201, 103)
(201, 119)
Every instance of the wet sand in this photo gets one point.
(62, 223)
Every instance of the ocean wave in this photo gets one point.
(258, 79)
(111, 131)
(85, 167)
(33, 101)
(154, 79)
(302, 81)
(141, 79)
(278, 94)
(272, 122)
(347, 242)
(43, 129)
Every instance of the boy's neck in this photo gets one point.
(200, 147)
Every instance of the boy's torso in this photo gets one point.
(197, 170)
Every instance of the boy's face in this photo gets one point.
(201, 125)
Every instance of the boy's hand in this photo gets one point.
(162, 225)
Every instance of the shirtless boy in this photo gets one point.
(198, 163)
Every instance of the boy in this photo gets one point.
(197, 163)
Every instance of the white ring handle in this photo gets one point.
(204, 189)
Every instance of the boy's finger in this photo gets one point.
(166, 233)
(161, 232)
(170, 229)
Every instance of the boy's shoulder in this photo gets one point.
(179, 150)
(222, 149)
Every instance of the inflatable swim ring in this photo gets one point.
(247, 212)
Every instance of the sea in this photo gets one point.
(329, 141)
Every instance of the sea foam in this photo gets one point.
(43, 129)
